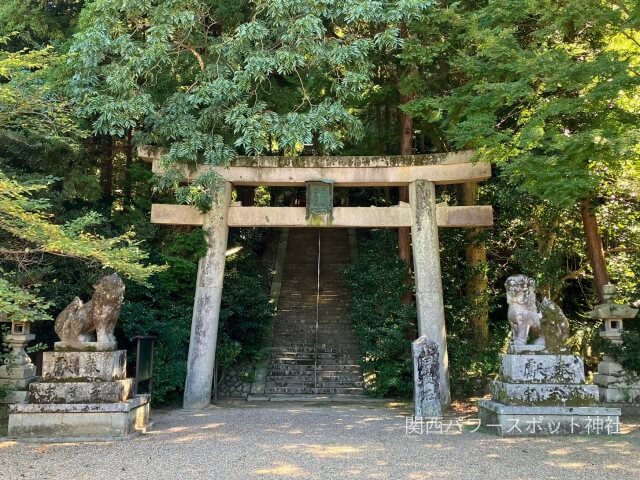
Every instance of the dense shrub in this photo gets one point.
(166, 310)
(382, 322)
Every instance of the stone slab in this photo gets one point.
(84, 366)
(619, 380)
(609, 367)
(16, 396)
(80, 392)
(516, 349)
(85, 347)
(545, 394)
(80, 407)
(519, 421)
(152, 153)
(17, 383)
(97, 423)
(620, 395)
(627, 409)
(16, 372)
(535, 368)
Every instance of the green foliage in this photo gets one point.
(147, 312)
(548, 89)
(382, 322)
(30, 99)
(17, 304)
(166, 310)
(24, 218)
(282, 78)
(181, 251)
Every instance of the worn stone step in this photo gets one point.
(314, 341)
(314, 391)
(275, 356)
(321, 377)
(296, 382)
(284, 367)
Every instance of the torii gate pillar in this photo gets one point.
(426, 262)
(206, 307)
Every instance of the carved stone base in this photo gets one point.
(545, 394)
(80, 392)
(84, 366)
(519, 421)
(79, 422)
(535, 368)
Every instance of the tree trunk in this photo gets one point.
(406, 148)
(476, 287)
(404, 233)
(546, 239)
(106, 173)
(594, 246)
(127, 187)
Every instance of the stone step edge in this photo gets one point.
(130, 404)
(502, 408)
(281, 397)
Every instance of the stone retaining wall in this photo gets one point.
(236, 380)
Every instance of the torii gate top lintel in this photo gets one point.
(344, 171)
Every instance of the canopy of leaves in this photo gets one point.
(32, 106)
(210, 89)
(550, 89)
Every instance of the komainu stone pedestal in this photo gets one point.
(83, 396)
(545, 394)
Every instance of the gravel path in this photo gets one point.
(281, 441)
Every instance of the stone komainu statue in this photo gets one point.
(545, 319)
(523, 313)
(77, 322)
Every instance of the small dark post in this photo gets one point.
(144, 362)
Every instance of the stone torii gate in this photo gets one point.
(421, 173)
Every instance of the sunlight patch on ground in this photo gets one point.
(429, 474)
(7, 444)
(568, 465)
(282, 469)
(372, 419)
(560, 451)
(176, 429)
(212, 426)
(191, 438)
(332, 451)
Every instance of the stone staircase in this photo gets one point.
(306, 360)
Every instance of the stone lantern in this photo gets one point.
(17, 372)
(615, 383)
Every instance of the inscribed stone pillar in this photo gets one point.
(206, 307)
(426, 378)
(426, 261)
